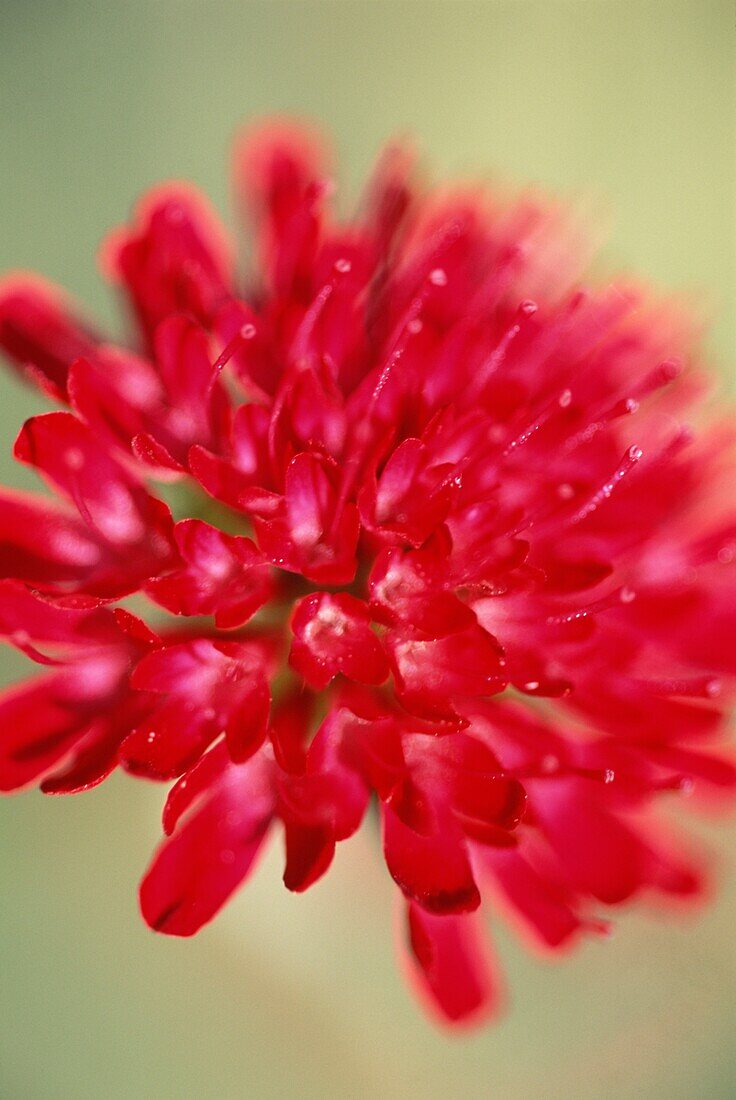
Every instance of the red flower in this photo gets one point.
(441, 500)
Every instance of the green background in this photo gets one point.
(630, 103)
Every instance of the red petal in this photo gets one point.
(208, 691)
(95, 757)
(309, 853)
(43, 545)
(332, 635)
(277, 168)
(247, 719)
(483, 800)
(409, 587)
(546, 907)
(170, 739)
(404, 505)
(223, 481)
(205, 774)
(432, 870)
(26, 615)
(450, 964)
(174, 260)
(196, 870)
(38, 726)
(109, 499)
(224, 576)
(116, 396)
(431, 673)
(152, 453)
(38, 332)
(600, 852)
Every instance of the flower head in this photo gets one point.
(446, 545)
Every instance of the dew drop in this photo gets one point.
(343, 266)
(565, 399)
(438, 277)
(247, 332)
(414, 326)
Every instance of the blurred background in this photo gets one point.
(630, 103)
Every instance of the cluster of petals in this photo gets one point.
(445, 548)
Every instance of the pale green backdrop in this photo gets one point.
(632, 103)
